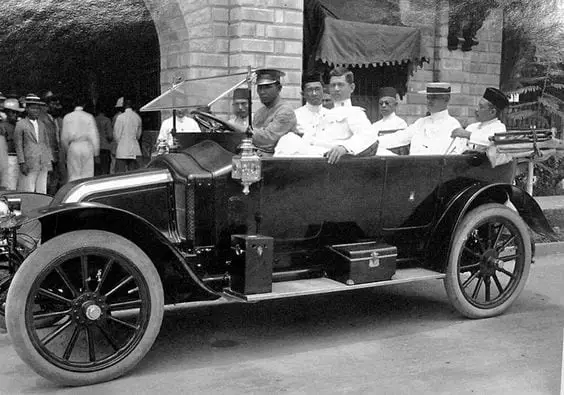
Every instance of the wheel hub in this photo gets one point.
(490, 263)
(88, 308)
(93, 312)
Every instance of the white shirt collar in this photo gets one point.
(439, 115)
(486, 123)
(313, 108)
(344, 103)
(389, 117)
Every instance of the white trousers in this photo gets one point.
(11, 173)
(80, 160)
(35, 181)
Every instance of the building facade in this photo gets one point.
(212, 37)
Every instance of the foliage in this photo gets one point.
(547, 177)
(533, 57)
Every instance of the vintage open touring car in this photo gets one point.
(92, 269)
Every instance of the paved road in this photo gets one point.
(393, 340)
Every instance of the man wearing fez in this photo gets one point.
(310, 115)
(387, 105)
(487, 115)
(430, 135)
(240, 107)
(275, 118)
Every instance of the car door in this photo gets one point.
(408, 200)
(299, 195)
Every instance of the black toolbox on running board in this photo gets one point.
(359, 263)
(251, 264)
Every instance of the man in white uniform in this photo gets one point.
(430, 135)
(345, 129)
(487, 115)
(387, 105)
(184, 124)
(311, 115)
(309, 122)
(79, 139)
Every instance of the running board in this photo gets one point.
(323, 285)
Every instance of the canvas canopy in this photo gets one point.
(350, 43)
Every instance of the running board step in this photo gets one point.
(323, 285)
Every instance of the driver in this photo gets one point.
(184, 124)
(275, 118)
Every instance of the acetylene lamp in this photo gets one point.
(246, 165)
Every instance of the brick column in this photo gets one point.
(268, 33)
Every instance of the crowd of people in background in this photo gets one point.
(45, 143)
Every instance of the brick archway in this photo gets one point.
(170, 23)
(198, 39)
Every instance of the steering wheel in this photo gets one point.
(211, 122)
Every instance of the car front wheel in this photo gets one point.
(106, 297)
(489, 261)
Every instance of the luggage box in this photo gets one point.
(359, 263)
(251, 264)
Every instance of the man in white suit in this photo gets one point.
(127, 132)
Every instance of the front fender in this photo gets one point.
(442, 234)
(180, 282)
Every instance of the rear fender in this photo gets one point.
(442, 234)
(180, 283)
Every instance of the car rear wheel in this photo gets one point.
(489, 261)
(106, 296)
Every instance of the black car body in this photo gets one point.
(113, 250)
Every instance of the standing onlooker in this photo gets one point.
(53, 129)
(106, 134)
(184, 124)
(119, 110)
(127, 132)
(3, 115)
(32, 147)
(10, 168)
(79, 139)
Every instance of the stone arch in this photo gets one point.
(170, 23)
